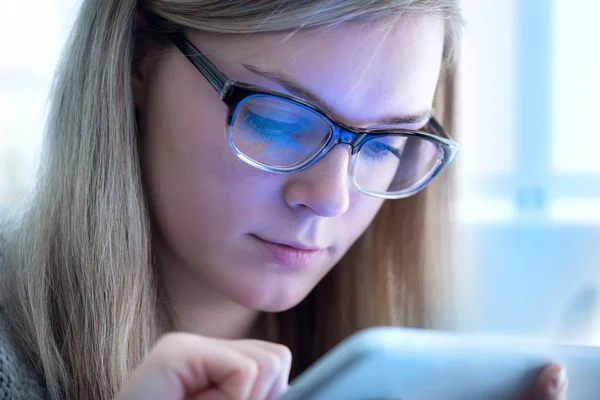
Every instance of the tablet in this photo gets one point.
(416, 364)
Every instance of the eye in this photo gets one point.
(263, 124)
(377, 150)
(377, 147)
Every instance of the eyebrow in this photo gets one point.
(296, 89)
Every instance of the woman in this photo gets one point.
(147, 219)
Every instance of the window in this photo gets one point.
(529, 221)
(32, 34)
(529, 87)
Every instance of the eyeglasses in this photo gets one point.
(280, 133)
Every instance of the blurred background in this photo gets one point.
(528, 212)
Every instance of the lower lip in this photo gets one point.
(290, 257)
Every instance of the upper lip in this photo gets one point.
(294, 244)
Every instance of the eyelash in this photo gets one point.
(261, 122)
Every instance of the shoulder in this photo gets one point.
(17, 380)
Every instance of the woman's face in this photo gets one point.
(261, 239)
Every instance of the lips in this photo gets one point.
(297, 246)
(294, 255)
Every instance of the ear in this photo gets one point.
(138, 66)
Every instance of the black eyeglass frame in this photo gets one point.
(233, 93)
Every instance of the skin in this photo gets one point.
(208, 206)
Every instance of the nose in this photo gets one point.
(322, 187)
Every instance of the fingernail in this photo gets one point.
(558, 381)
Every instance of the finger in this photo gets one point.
(552, 383)
(274, 362)
(285, 356)
(184, 365)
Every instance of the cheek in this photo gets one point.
(359, 216)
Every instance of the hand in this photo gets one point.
(551, 384)
(189, 367)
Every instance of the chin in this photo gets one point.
(275, 308)
(270, 300)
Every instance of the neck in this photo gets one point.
(198, 307)
(224, 320)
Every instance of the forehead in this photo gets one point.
(363, 70)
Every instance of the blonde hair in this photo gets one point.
(80, 289)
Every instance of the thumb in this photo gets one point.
(552, 383)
